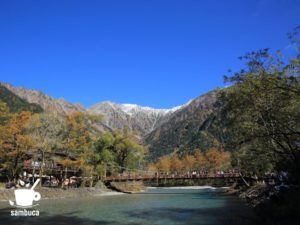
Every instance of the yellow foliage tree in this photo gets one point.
(78, 135)
(217, 159)
(164, 164)
(14, 143)
(200, 160)
(176, 164)
(79, 141)
(188, 163)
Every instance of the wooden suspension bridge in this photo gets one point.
(162, 177)
(182, 180)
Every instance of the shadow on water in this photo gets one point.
(211, 216)
(180, 193)
(172, 215)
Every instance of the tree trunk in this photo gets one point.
(248, 185)
(14, 170)
(41, 168)
(66, 172)
(61, 177)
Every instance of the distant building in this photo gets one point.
(52, 163)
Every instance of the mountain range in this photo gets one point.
(182, 128)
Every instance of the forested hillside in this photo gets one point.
(17, 104)
(197, 126)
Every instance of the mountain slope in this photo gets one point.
(17, 104)
(197, 125)
(46, 102)
(141, 120)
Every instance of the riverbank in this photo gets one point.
(128, 187)
(58, 193)
(273, 204)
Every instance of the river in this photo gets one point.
(161, 206)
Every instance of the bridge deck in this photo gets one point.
(150, 178)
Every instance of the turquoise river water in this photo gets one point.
(161, 206)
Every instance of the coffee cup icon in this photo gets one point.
(25, 197)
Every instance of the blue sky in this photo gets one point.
(158, 53)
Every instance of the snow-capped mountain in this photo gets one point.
(141, 119)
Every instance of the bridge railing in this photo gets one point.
(151, 177)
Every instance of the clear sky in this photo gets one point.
(158, 53)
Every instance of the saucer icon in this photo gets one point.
(25, 197)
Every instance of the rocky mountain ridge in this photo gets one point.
(47, 102)
(140, 119)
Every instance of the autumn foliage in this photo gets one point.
(211, 160)
(95, 154)
(14, 141)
